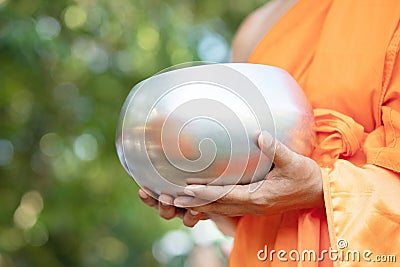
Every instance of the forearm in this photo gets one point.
(227, 225)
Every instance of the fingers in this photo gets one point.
(200, 180)
(232, 194)
(188, 201)
(168, 211)
(223, 209)
(147, 199)
(163, 204)
(191, 218)
(165, 207)
(275, 150)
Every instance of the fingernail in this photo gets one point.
(165, 201)
(189, 189)
(164, 204)
(194, 213)
(195, 186)
(143, 195)
(183, 201)
(188, 192)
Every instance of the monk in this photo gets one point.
(345, 56)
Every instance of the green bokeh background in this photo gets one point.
(65, 70)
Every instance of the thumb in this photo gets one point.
(280, 154)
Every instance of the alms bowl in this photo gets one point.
(203, 122)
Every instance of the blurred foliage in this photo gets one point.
(65, 69)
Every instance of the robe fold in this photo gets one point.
(345, 56)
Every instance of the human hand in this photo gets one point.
(294, 183)
(190, 218)
(164, 205)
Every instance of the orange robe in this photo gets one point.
(345, 56)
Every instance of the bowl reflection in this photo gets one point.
(203, 122)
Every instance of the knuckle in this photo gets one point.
(301, 162)
(204, 208)
(235, 194)
(258, 199)
(254, 198)
(224, 198)
(277, 146)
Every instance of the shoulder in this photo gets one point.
(255, 26)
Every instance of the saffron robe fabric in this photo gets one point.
(345, 56)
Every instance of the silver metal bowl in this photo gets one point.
(203, 122)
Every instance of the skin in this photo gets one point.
(166, 209)
(294, 183)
